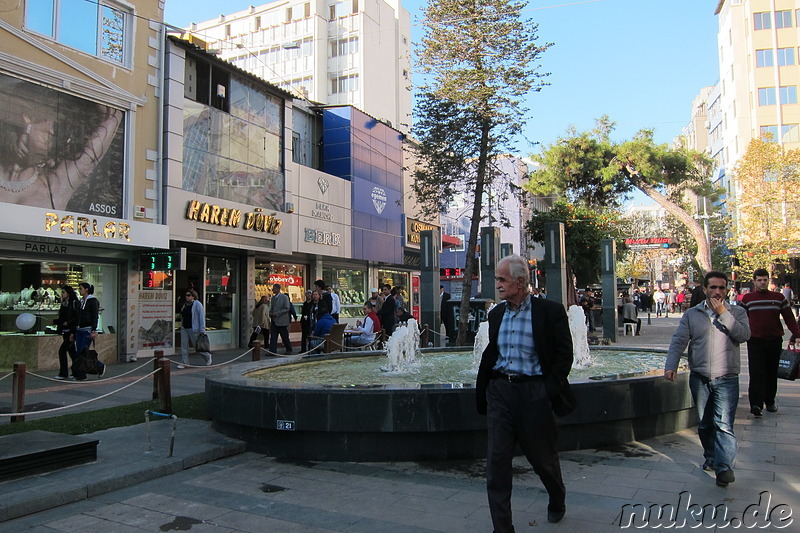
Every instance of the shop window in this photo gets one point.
(98, 28)
(351, 286)
(398, 280)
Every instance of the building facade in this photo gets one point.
(336, 52)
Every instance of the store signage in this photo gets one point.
(42, 248)
(414, 228)
(283, 279)
(323, 185)
(651, 242)
(323, 211)
(224, 216)
(323, 237)
(87, 227)
(379, 198)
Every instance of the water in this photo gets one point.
(447, 368)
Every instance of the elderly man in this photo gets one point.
(713, 331)
(522, 373)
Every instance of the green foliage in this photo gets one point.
(189, 406)
(584, 228)
(591, 170)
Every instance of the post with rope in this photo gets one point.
(164, 389)
(18, 392)
(425, 335)
(158, 354)
(257, 351)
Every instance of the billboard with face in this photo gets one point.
(59, 151)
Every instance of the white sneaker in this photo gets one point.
(208, 362)
(180, 367)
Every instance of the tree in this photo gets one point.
(479, 59)
(767, 211)
(583, 230)
(590, 169)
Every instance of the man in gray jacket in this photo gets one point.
(280, 316)
(713, 330)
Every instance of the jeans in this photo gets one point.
(187, 334)
(67, 347)
(716, 401)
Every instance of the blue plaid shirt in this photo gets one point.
(515, 342)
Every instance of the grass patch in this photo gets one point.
(189, 406)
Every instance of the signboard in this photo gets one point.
(156, 316)
(665, 243)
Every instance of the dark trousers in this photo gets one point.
(520, 413)
(305, 328)
(67, 347)
(763, 355)
(283, 331)
(638, 323)
(264, 333)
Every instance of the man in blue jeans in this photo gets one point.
(713, 330)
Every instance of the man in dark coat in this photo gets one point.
(522, 372)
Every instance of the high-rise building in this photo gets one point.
(334, 52)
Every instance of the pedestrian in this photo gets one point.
(87, 333)
(193, 323)
(446, 311)
(336, 303)
(305, 321)
(671, 300)
(524, 366)
(659, 298)
(280, 317)
(322, 327)
(367, 329)
(713, 331)
(260, 317)
(387, 310)
(586, 302)
(764, 309)
(680, 299)
(325, 304)
(631, 315)
(69, 315)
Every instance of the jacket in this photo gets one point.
(279, 310)
(705, 337)
(69, 315)
(198, 317)
(261, 316)
(90, 312)
(553, 341)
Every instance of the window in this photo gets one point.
(307, 10)
(766, 96)
(762, 20)
(788, 94)
(344, 84)
(341, 47)
(764, 58)
(783, 19)
(288, 14)
(769, 133)
(785, 57)
(227, 30)
(97, 28)
(791, 133)
(257, 24)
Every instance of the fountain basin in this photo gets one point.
(424, 422)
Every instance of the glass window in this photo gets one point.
(398, 280)
(351, 286)
(785, 56)
(220, 292)
(97, 28)
(291, 277)
(791, 133)
(762, 20)
(783, 19)
(764, 58)
(34, 287)
(788, 94)
(766, 96)
(769, 133)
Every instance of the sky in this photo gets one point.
(641, 62)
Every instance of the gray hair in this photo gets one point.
(517, 267)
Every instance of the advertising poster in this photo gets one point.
(59, 151)
(156, 317)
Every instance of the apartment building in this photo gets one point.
(334, 52)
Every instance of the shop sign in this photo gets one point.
(224, 216)
(43, 248)
(283, 279)
(87, 227)
(323, 211)
(650, 242)
(413, 230)
(323, 237)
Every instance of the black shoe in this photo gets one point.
(756, 411)
(772, 408)
(555, 516)
(725, 477)
(708, 465)
(101, 371)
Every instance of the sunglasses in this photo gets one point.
(192, 295)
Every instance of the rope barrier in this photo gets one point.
(87, 382)
(55, 409)
(7, 375)
(187, 365)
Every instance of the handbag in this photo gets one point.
(202, 343)
(788, 364)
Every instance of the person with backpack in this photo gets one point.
(68, 319)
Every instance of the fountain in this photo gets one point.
(375, 420)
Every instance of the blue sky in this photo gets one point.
(642, 62)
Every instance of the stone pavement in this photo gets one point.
(249, 492)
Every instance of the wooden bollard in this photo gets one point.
(158, 354)
(164, 387)
(425, 335)
(257, 351)
(18, 392)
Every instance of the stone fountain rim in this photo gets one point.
(237, 375)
